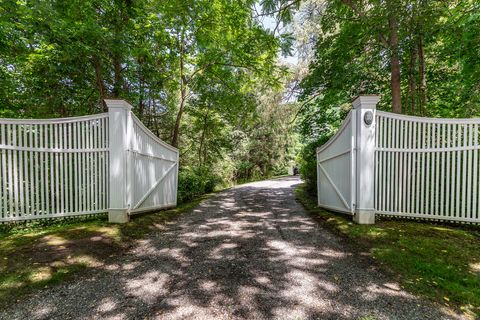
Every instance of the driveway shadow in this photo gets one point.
(251, 252)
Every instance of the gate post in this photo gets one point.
(118, 135)
(365, 107)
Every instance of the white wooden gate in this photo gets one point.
(336, 167)
(84, 165)
(390, 164)
(427, 167)
(53, 168)
(154, 170)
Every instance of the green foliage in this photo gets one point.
(199, 74)
(350, 54)
(193, 182)
(307, 160)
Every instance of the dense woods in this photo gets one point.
(206, 75)
(423, 57)
(203, 75)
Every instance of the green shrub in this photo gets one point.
(308, 164)
(194, 182)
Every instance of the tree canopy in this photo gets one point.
(203, 75)
(206, 77)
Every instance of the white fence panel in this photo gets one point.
(84, 165)
(154, 170)
(428, 168)
(54, 167)
(336, 169)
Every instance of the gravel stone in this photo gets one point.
(250, 252)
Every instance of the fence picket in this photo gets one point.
(475, 210)
(432, 167)
(60, 167)
(4, 174)
(468, 177)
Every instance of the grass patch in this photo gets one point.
(43, 253)
(438, 261)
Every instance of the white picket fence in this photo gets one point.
(401, 165)
(77, 166)
(427, 168)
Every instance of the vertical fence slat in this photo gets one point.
(19, 168)
(427, 171)
(453, 175)
(82, 168)
(32, 172)
(400, 170)
(396, 164)
(434, 180)
(469, 177)
(25, 168)
(448, 171)
(10, 172)
(15, 173)
(408, 146)
(76, 172)
(475, 193)
(4, 173)
(464, 172)
(96, 191)
(384, 159)
(459, 171)
(443, 173)
(389, 165)
(70, 178)
(61, 140)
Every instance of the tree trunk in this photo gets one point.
(412, 80)
(422, 89)
(394, 64)
(100, 83)
(176, 129)
(183, 94)
(117, 73)
(202, 138)
(141, 82)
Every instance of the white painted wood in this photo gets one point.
(154, 170)
(442, 173)
(469, 177)
(44, 171)
(448, 174)
(475, 209)
(458, 176)
(409, 168)
(145, 177)
(4, 194)
(64, 167)
(442, 180)
(335, 168)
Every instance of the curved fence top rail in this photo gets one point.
(337, 134)
(152, 135)
(53, 120)
(427, 120)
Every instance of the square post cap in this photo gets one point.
(366, 101)
(114, 103)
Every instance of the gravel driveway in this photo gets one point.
(247, 253)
